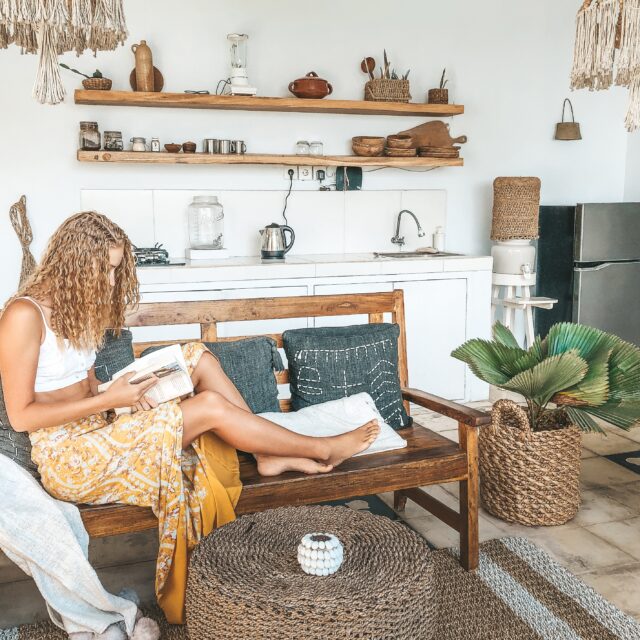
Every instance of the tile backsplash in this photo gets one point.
(324, 221)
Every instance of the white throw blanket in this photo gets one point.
(340, 416)
(47, 540)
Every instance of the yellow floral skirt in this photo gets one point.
(138, 459)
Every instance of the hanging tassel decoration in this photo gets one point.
(48, 87)
(629, 55)
(632, 121)
(583, 54)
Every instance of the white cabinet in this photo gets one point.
(435, 313)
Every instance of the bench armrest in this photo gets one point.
(466, 415)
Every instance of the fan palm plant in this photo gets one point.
(585, 372)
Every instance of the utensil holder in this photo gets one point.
(384, 90)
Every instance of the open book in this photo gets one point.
(168, 364)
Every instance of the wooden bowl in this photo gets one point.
(172, 147)
(400, 153)
(367, 146)
(400, 141)
(189, 147)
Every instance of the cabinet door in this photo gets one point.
(335, 289)
(435, 313)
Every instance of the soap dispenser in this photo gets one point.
(438, 239)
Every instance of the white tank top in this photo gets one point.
(58, 366)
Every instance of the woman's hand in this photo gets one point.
(122, 393)
(145, 404)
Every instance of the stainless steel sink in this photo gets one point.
(412, 254)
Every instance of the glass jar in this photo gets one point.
(315, 148)
(155, 144)
(89, 136)
(302, 148)
(206, 223)
(138, 144)
(113, 141)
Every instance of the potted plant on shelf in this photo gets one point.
(96, 81)
(530, 457)
(440, 95)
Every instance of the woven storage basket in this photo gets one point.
(245, 582)
(97, 84)
(516, 206)
(384, 90)
(529, 477)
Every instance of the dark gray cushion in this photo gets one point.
(14, 444)
(116, 353)
(328, 363)
(250, 364)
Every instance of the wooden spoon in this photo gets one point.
(368, 65)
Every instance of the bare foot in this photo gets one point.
(275, 465)
(348, 444)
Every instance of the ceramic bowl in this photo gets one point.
(189, 147)
(172, 147)
(399, 142)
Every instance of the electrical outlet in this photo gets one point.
(286, 173)
(330, 173)
(317, 170)
(305, 173)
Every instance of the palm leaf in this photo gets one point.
(621, 414)
(547, 378)
(586, 341)
(537, 350)
(593, 389)
(583, 420)
(483, 360)
(624, 371)
(504, 336)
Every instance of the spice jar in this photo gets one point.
(89, 136)
(206, 223)
(316, 148)
(155, 144)
(302, 148)
(138, 144)
(113, 141)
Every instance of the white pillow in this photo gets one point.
(340, 416)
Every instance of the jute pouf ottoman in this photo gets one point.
(245, 582)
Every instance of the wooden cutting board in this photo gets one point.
(432, 134)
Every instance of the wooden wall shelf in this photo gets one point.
(147, 157)
(256, 103)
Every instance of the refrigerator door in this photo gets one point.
(606, 297)
(607, 232)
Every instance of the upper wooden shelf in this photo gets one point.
(256, 103)
(162, 157)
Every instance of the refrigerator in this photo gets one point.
(589, 259)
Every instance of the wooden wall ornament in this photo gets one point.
(20, 223)
(53, 27)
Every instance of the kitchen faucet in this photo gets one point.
(399, 240)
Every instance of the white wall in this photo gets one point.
(632, 181)
(508, 63)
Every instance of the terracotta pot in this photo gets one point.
(310, 87)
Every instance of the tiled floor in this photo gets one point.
(601, 544)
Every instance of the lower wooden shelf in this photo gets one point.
(162, 157)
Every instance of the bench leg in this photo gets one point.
(469, 535)
(399, 501)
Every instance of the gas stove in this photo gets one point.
(154, 256)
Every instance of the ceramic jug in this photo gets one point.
(144, 66)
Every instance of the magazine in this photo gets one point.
(168, 365)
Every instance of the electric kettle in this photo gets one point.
(274, 245)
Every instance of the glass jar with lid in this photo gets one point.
(206, 223)
(89, 138)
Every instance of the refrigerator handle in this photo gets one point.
(598, 267)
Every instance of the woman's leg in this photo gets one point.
(210, 376)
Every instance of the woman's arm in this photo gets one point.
(20, 337)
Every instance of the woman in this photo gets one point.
(178, 458)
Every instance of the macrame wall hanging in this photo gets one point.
(607, 50)
(53, 27)
(20, 223)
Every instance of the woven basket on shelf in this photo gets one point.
(516, 205)
(385, 90)
(97, 84)
(529, 477)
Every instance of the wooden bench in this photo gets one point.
(429, 458)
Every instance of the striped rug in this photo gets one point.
(518, 593)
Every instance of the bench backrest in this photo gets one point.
(208, 313)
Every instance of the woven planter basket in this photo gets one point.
(516, 207)
(97, 84)
(529, 477)
(384, 90)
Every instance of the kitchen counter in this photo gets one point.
(308, 266)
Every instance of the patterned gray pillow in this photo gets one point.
(328, 363)
(13, 444)
(116, 353)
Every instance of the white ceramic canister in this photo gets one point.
(320, 554)
(513, 257)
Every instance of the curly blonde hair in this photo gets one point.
(74, 276)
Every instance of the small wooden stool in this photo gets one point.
(511, 302)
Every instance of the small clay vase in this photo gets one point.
(188, 147)
(310, 87)
(144, 66)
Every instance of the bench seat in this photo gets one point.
(428, 458)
